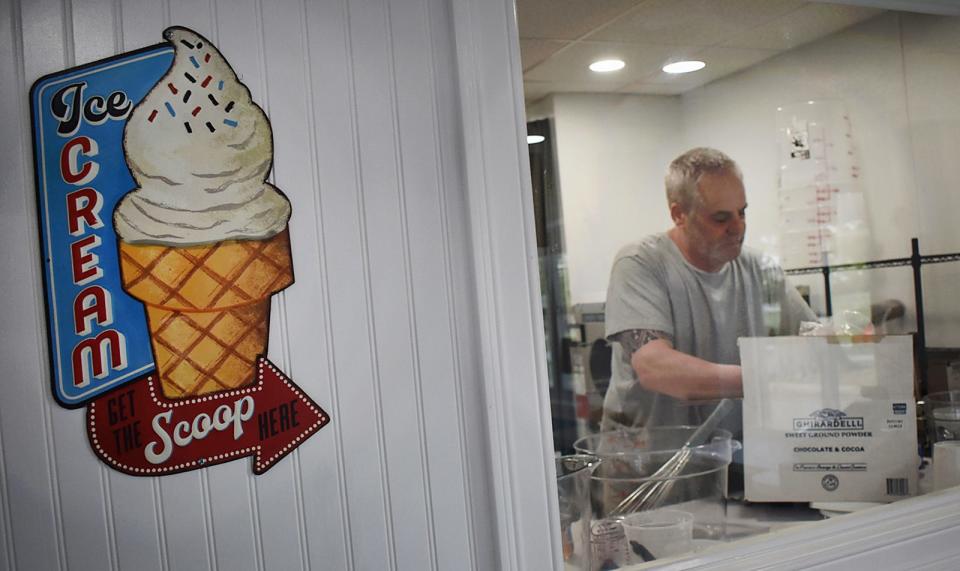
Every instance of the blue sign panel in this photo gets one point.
(98, 334)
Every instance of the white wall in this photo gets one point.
(611, 155)
(380, 328)
(932, 62)
(899, 112)
(896, 75)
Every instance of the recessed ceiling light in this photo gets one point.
(606, 65)
(684, 66)
(534, 139)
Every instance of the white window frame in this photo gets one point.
(922, 532)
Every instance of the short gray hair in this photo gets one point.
(685, 171)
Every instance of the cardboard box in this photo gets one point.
(829, 418)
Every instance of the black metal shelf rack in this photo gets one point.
(915, 261)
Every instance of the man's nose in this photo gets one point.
(737, 226)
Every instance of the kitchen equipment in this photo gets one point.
(658, 534)
(652, 492)
(946, 464)
(631, 459)
(942, 413)
(573, 490)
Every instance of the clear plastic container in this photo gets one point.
(649, 469)
(573, 489)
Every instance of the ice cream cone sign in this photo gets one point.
(163, 243)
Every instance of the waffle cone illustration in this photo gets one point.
(203, 238)
(208, 308)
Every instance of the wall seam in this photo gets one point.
(280, 300)
(371, 322)
(265, 96)
(49, 437)
(118, 26)
(452, 314)
(325, 293)
(8, 546)
(162, 546)
(209, 531)
(411, 299)
(10, 555)
(113, 553)
(297, 463)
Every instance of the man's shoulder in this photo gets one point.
(647, 248)
(755, 259)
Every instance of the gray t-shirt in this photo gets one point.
(652, 286)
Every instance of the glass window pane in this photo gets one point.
(787, 289)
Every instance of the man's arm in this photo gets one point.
(663, 369)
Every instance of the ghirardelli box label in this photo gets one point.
(829, 419)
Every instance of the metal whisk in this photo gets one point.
(649, 494)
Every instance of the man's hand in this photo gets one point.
(661, 368)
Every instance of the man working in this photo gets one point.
(678, 302)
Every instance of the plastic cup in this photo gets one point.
(946, 464)
(658, 534)
(942, 411)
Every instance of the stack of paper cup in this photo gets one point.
(946, 464)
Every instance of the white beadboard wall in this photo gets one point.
(383, 327)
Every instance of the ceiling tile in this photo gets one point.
(692, 22)
(533, 52)
(802, 26)
(930, 33)
(571, 63)
(566, 19)
(534, 90)
(640, 88)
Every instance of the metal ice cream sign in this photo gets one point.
(162, 243)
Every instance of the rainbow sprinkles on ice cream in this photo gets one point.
(200, 150)
(203, 238)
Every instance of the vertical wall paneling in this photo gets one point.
(321, 490)
(30, 495)
(281, 47)
(344, 227)
(234, 501)
(435, 374)
(27, 501)
(82, 514)
(332, 150)
(141, 22)
(94, 29)
(387, 235)
(136, 526)
(6, 526)
(505, 258)
(380, 327)
(393, 412)
(472, 411)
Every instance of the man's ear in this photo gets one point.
(678, 213)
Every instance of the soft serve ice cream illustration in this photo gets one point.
(203, 239)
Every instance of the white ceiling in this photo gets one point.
(559, 38)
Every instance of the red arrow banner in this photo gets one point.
(135, 430)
